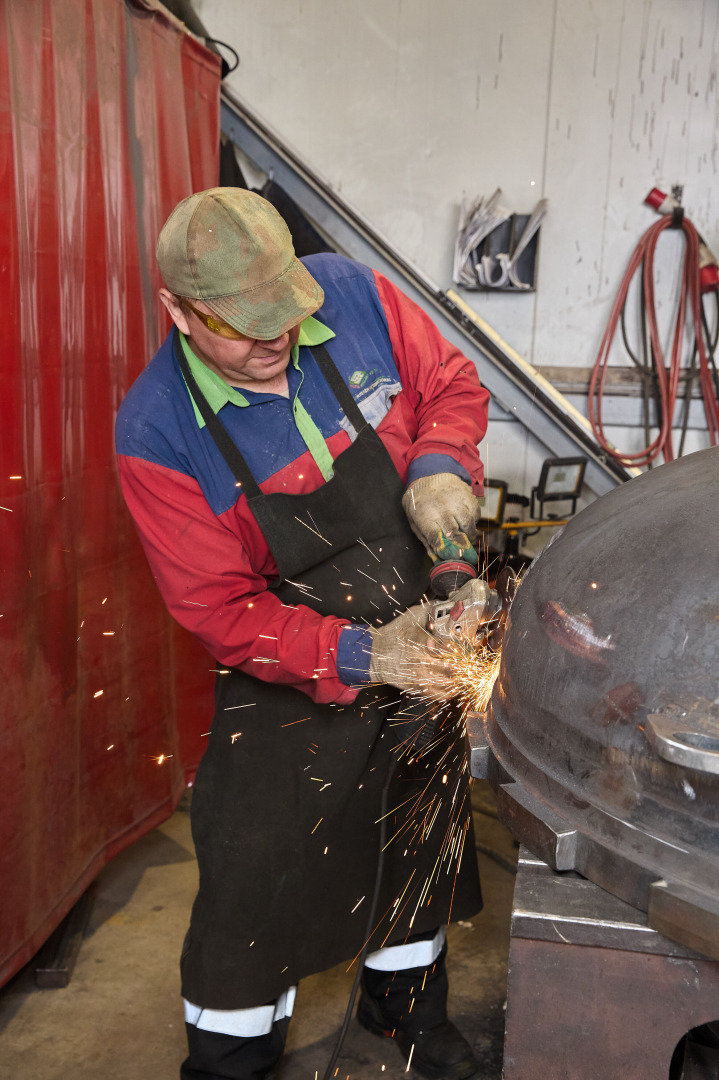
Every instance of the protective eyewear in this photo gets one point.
(214, 323)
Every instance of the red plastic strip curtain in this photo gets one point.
(109, 115)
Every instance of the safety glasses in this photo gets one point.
(214, 324)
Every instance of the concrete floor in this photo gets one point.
(121, 1018)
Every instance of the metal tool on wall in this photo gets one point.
(497, 249)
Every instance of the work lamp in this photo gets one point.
(560, 480)
(495, 496)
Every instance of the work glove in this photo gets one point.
(442, 513)
(404, 654)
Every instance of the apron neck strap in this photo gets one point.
(235, 461)
(338, 387)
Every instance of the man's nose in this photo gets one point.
(278, 342)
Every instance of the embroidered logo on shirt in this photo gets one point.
(358, 378)
(374, 402)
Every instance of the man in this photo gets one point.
(280, 468)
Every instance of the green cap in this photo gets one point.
(231, 249)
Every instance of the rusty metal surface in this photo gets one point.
(592, 991)
(614, 631)
(568, 909)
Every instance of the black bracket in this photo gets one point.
(55, 962)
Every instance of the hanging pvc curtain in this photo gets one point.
(109, 115)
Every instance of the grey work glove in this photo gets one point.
(442, 513)
(404, 654)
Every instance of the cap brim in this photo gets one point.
(272, 308)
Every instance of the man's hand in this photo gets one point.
(442, 513)
(405, 655)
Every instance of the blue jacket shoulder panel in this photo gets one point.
(156, 421)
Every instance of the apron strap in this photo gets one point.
(237, 464)
(338, 387)
(235, 461)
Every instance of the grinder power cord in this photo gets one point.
(408, 653)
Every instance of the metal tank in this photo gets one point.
(602, 736)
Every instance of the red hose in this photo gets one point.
(667, 377)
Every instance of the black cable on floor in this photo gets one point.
(495, 856)
(370, 920)
(421, 738)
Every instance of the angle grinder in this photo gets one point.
(471, 612)
(447, 576)
(466, 610)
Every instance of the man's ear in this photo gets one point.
(176, 312)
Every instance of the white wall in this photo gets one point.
(403, 105)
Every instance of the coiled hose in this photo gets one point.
(667, 377)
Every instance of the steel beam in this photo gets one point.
(516, 387)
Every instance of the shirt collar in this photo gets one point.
(219, 393)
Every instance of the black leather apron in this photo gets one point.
(285, 815)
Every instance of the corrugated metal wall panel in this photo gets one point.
(108, 116)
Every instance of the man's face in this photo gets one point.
(247, 362)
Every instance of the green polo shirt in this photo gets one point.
(219, 393)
